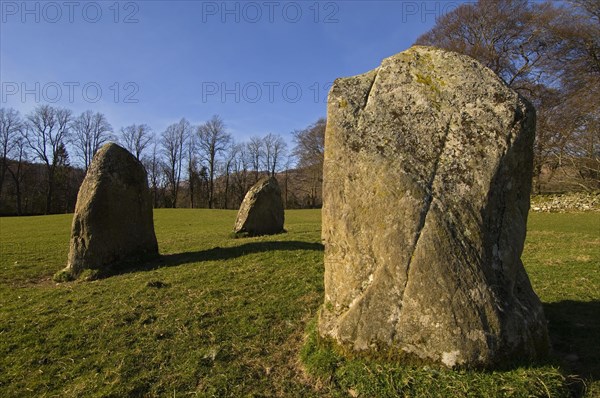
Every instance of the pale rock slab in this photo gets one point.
(427, 176)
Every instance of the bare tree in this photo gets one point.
(576, 61)
(48, 129)
(135, 138)
(240, 176)
(550, 53)
(309, 150)
(90, 131)
(212, 141)
(288, 163)
(275, 149)
(256, 154)
(173, 140)
(501, 34)
(17, 170)
(228, 165)
(11, 126)
(310, 144)
(192, 166)
(153, 165)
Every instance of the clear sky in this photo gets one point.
(263, 66)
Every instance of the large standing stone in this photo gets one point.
(113, 217)
(427, 175)
(261, 212)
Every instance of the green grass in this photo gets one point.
(562, 257)
(218, 316)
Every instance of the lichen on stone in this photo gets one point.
(426, 169)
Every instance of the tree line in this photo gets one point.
(549, 52)
(45, 155)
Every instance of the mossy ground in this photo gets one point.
(218, 316)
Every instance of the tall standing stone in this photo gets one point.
(113, 221)
(261, 211)
(427, 176)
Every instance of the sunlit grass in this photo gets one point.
(218, 316)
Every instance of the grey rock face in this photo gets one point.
(427, 176)
(261, 212)
(113, 217)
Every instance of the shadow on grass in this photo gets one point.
(220, 253)
(574, 327)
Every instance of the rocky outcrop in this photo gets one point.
(113, 222)
(261, 212)
(427, 176)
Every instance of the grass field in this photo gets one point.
(217, 316)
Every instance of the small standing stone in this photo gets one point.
(261, 212)
(113, 221)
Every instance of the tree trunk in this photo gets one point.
(17, 181)
(175, 189)
(286, 188)
(50, 188)
(191, 173)
(49, 193)
(19, 199)
(3, 168)
(210, 192)
(226, 188)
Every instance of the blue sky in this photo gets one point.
(264, 66)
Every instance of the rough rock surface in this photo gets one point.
(261, 212)
(113, 217)
(427, 176)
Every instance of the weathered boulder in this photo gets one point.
(427, 176)
(261, 211)
(113, 221)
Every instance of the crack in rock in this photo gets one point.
(424, 213)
